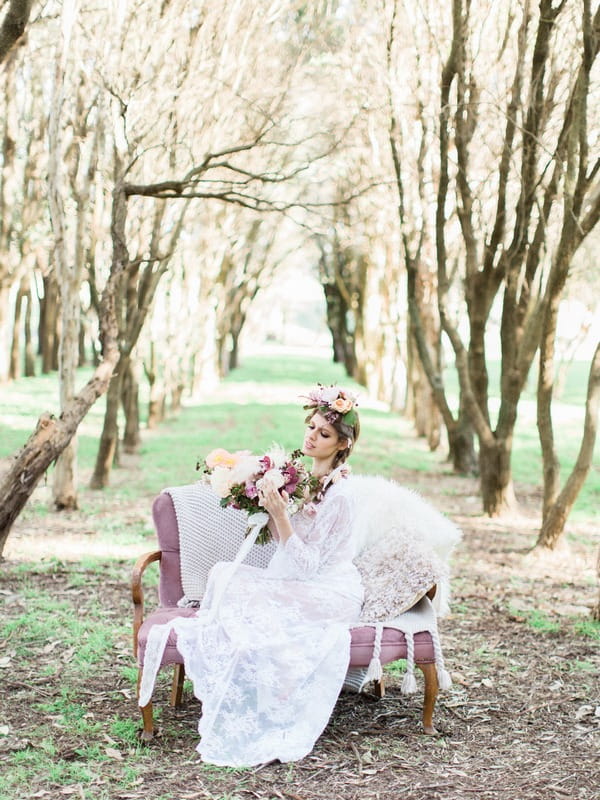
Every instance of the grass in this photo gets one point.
(542, 623)
(169, 455)
(588, 628)
(72, 634)
(68, 637)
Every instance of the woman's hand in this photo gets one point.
(276, 502)
(273, 501)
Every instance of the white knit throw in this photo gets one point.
(209, 533)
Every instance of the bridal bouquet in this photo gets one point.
(237, 477)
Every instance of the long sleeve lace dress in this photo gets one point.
(269, 661)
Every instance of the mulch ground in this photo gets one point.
(521, 721)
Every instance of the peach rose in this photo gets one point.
(220, 458)
(342, 405)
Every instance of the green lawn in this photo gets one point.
(245, 415)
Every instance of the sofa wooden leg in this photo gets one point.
(379, 688)
(147, 733)
(431, 692)
(177, 685)
(148, 723)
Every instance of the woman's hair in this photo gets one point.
(344, 431)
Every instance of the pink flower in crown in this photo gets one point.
(251, 491)
(328, 394)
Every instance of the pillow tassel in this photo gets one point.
(443, 676)
(409, 684)
(375, 670)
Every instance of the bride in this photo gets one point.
(268, 659)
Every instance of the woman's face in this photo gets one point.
(321, 440)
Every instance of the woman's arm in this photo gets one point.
(326, 542)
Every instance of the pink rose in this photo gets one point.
(251, 491)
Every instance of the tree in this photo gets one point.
(558, 504)
(580, 214)
(76, 160)
(426, 397)
(596, 607)
(12, 27)
(503, 161)
(133, 299)
(20, 203)
(52, 434)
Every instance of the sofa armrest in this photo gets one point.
(137, 592)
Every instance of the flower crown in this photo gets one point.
(333, 403)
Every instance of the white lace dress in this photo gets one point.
(269, 662)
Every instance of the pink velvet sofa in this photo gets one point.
(170, 591)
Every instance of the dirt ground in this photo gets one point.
(521, 721)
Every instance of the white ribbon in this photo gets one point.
(256, 522)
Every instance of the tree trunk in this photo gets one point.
(64, 482)
(110, 432)
(131, 408)
(557, 513)
(29, 353)
(82, 354)
(4, 332)
(596, 607)
(495, 477)
(48, 337)
(421, 405)
(13, 25)
(109, 439)
(15, 350)
(156, 404)
(176, 396)
(461, 445)
(235, 331)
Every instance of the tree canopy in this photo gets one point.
(434, 166)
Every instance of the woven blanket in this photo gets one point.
(209, 533)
